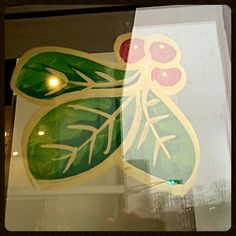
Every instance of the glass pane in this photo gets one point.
(136, 138)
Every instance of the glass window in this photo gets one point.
(121, 121)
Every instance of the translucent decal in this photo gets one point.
(96, 114)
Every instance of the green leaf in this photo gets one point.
(80, 134)
(164, 147)
(77, 136)
(72, 72)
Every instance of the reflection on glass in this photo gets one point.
(119, 153)
(15, 153)
(53, 82)
(41, 133)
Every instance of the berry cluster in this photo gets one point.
(163, 55)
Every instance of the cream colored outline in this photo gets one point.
(115, 158)
(153, 102)
(93, 84)
(101, 113)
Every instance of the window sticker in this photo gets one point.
(96, 114)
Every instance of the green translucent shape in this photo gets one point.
(32, 79)
(181, 149)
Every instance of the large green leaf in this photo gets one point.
(75, 136)
(74, 73)
(164, 147)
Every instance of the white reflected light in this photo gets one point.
(53, 82)
(15, 153)
(41, 133)
(5, 133)
(164, 74)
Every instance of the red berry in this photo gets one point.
(132, 50)
(167, 77)
(162, 52)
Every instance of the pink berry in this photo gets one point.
(132, 50)
(162, 52)
(167, 77)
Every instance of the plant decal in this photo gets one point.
(96, 114)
